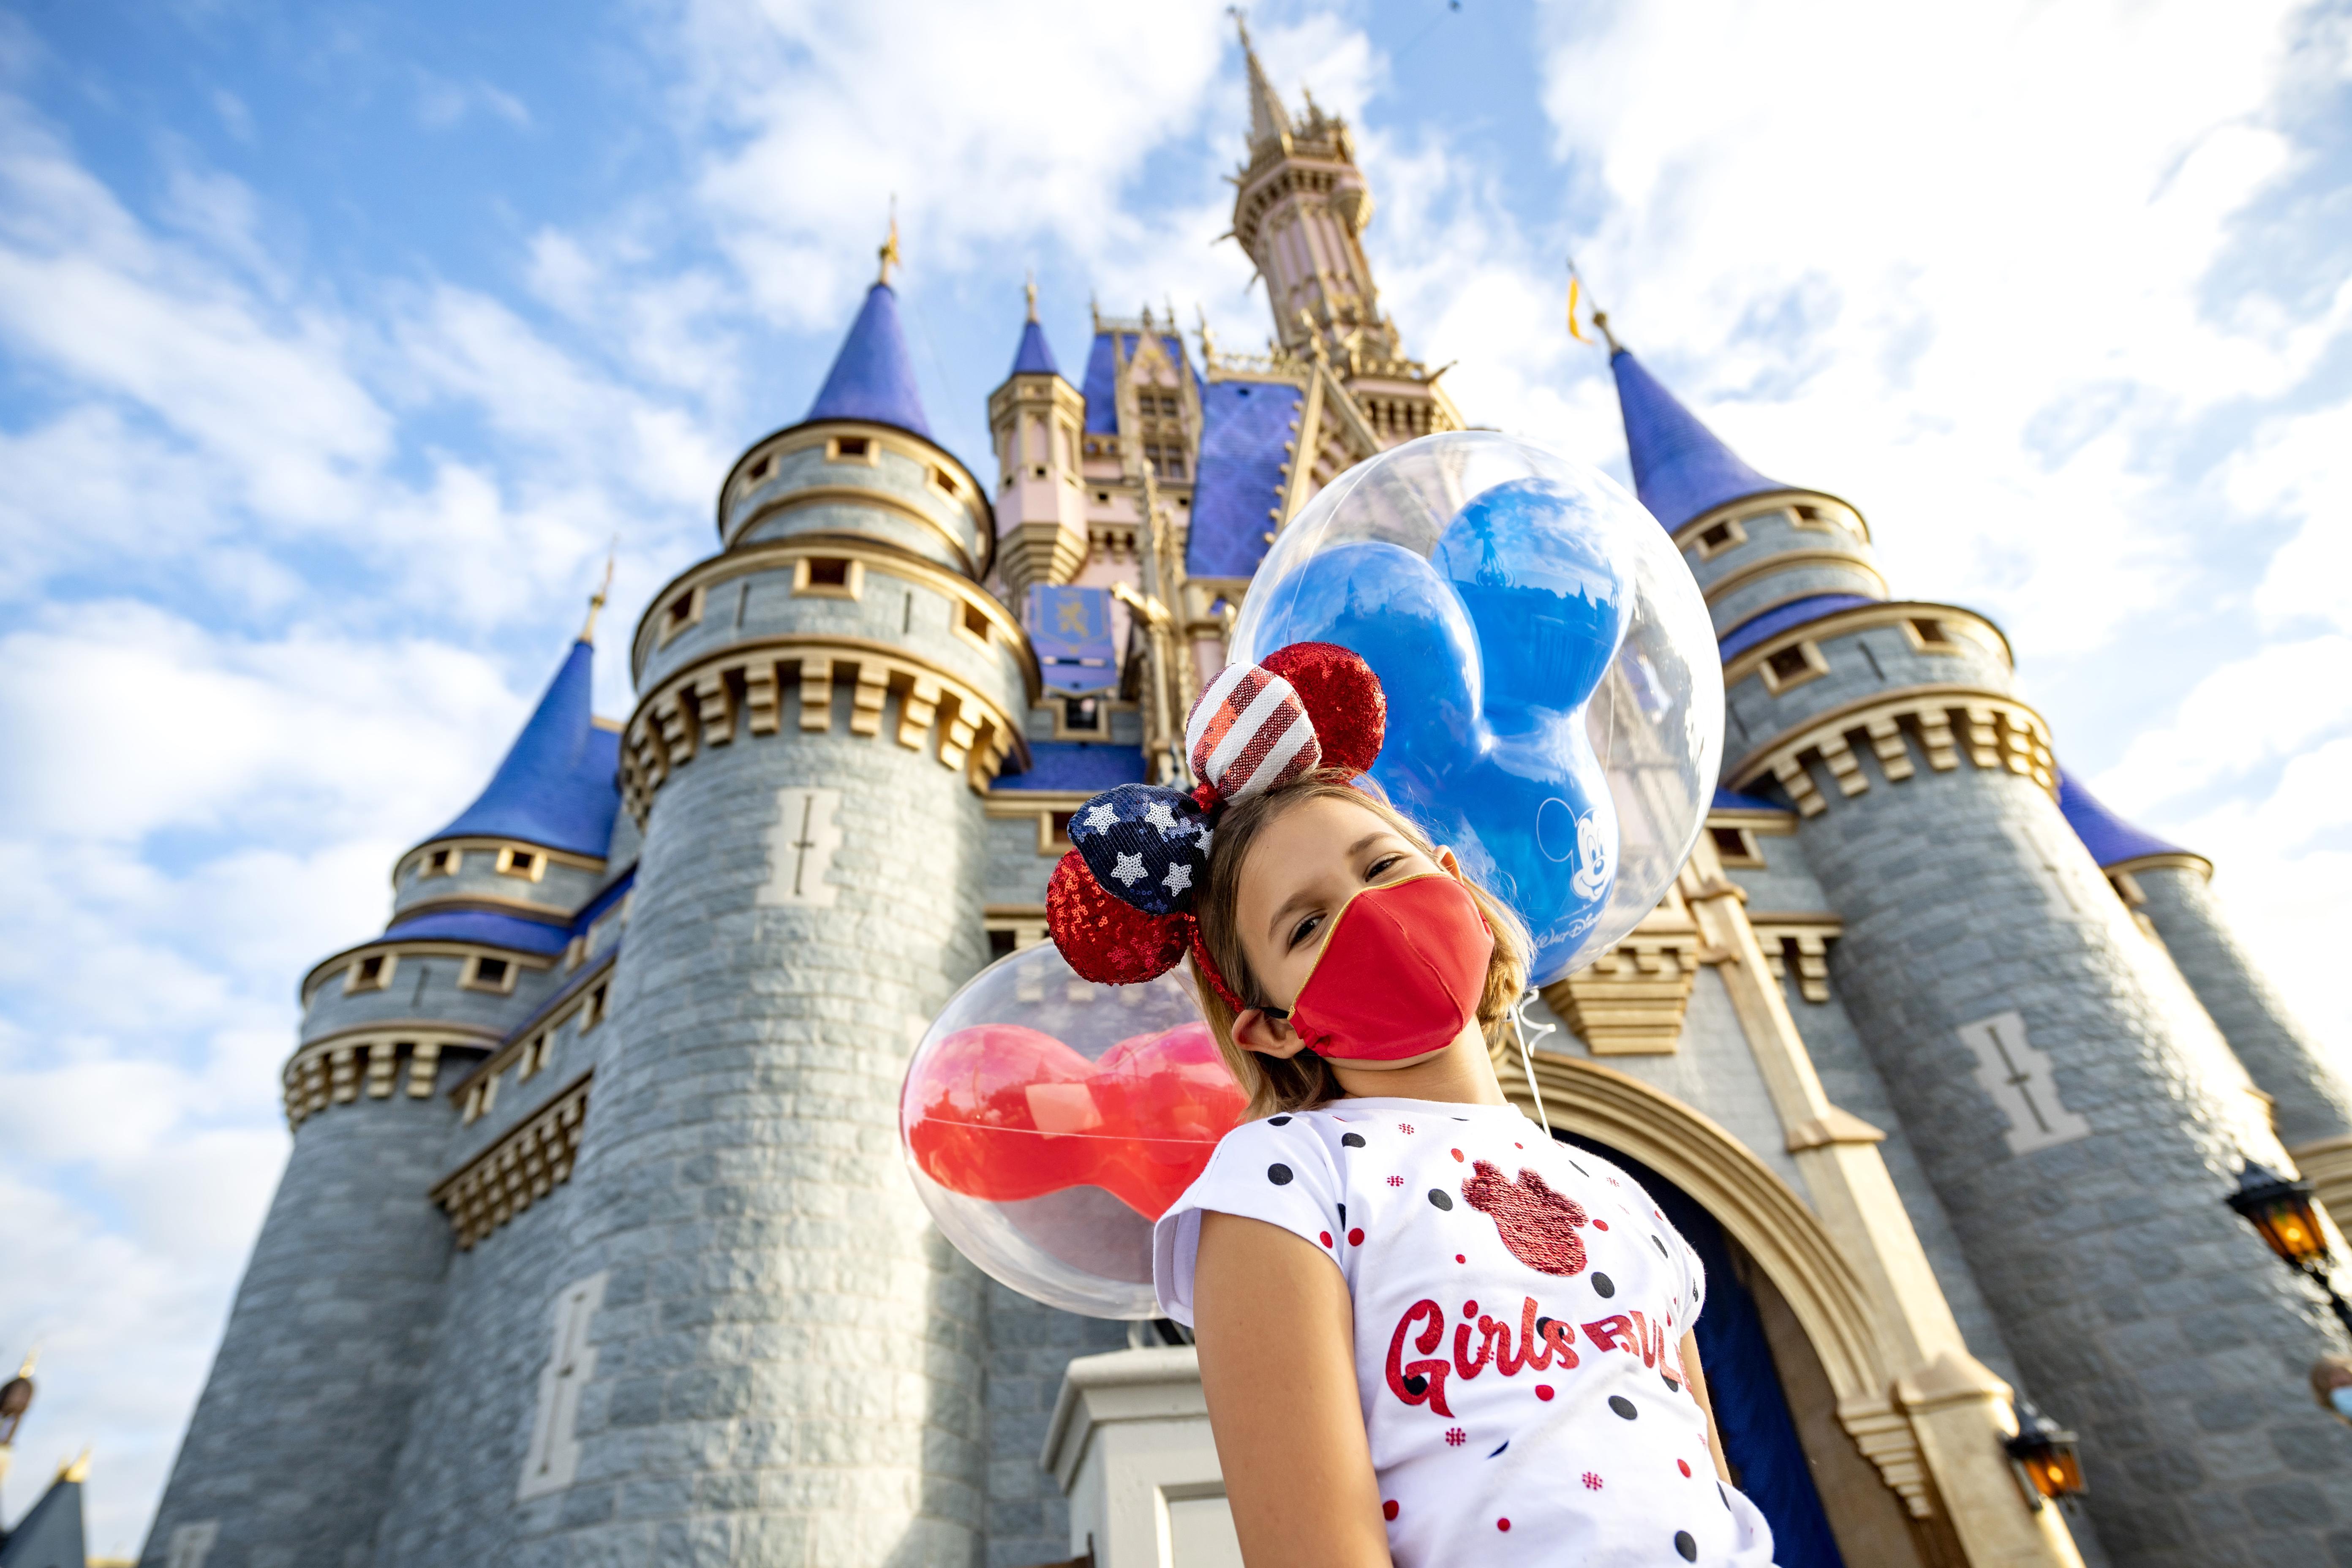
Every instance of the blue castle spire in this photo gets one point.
(873, 377)
(2110, 839)
(556, 786)
(1681, 467)
(1035, 355)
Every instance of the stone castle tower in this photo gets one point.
(594, 1245)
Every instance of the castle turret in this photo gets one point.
(2169, 888)
(1036, 420)
(2076, 1111)
(291, 1453)
(773, 1357)
(1301, 209)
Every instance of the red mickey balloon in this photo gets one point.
(1004, 1112)
(996, 1113)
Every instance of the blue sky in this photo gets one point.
(337, 342)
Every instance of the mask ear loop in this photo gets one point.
(1519, 1027)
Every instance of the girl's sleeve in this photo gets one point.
(1278, 1173)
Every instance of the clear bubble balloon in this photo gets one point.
(1048, 1121)
(1555, 696)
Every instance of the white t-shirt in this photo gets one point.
(1464, 1232)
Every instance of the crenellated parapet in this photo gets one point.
(1909, 684)
(799, 617)
(401, 1060)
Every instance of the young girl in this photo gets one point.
(1428, 1333)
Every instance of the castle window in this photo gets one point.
(970, 620)
(849, 449)
(1102, 497)
(758, 470)
(943, 483)
(483, 972)
(373, 973)
(594, 1014)
(680, 613)
(1082, 713)
(1793, 666)
(1716, 538)
(1736, 846)
(1058, 824)
(442, 863)
(534, 1056)
(1929, 635)
(828, 577)
(524, 863)
(1014, 927)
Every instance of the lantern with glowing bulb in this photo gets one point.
(2282, 1214)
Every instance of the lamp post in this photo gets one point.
(2281, 1213)
(2044, 1457)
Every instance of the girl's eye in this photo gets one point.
(1305, 929)
(1381, 867)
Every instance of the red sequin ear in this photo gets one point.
(1342, 695)
(1103, 938)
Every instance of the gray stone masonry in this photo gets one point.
(2314, 1097)
(790, 1361)
(423, 988)
(1786, 884)
(558, 889)
(453, 1490)
(2136, 1307)
(1776, 532)
(293, 1442)
(1029, 1344)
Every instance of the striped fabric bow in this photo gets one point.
(1120, 905)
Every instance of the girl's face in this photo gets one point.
(1305, 864)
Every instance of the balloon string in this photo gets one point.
(1519, 1027)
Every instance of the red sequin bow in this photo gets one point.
(1120, 905)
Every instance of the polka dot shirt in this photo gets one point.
(1520, 1312)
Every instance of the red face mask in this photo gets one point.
(1399, 975)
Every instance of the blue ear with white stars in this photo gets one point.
(1147, 844)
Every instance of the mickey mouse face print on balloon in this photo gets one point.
(1555, 700)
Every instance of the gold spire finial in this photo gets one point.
(890, 251)
(604, 591)
(74, 1471)
(1029, 289)
(30, 1357)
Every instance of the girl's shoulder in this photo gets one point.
(1285, 1130)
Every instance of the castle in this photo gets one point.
(595, 1244)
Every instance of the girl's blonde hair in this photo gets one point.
(1273, 1084)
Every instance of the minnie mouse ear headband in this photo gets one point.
(1120, 904)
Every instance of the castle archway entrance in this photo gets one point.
(1799, 1320)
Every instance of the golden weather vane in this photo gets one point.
(1575, 290)
(890, 251)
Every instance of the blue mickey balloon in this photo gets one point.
(1490, 650)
